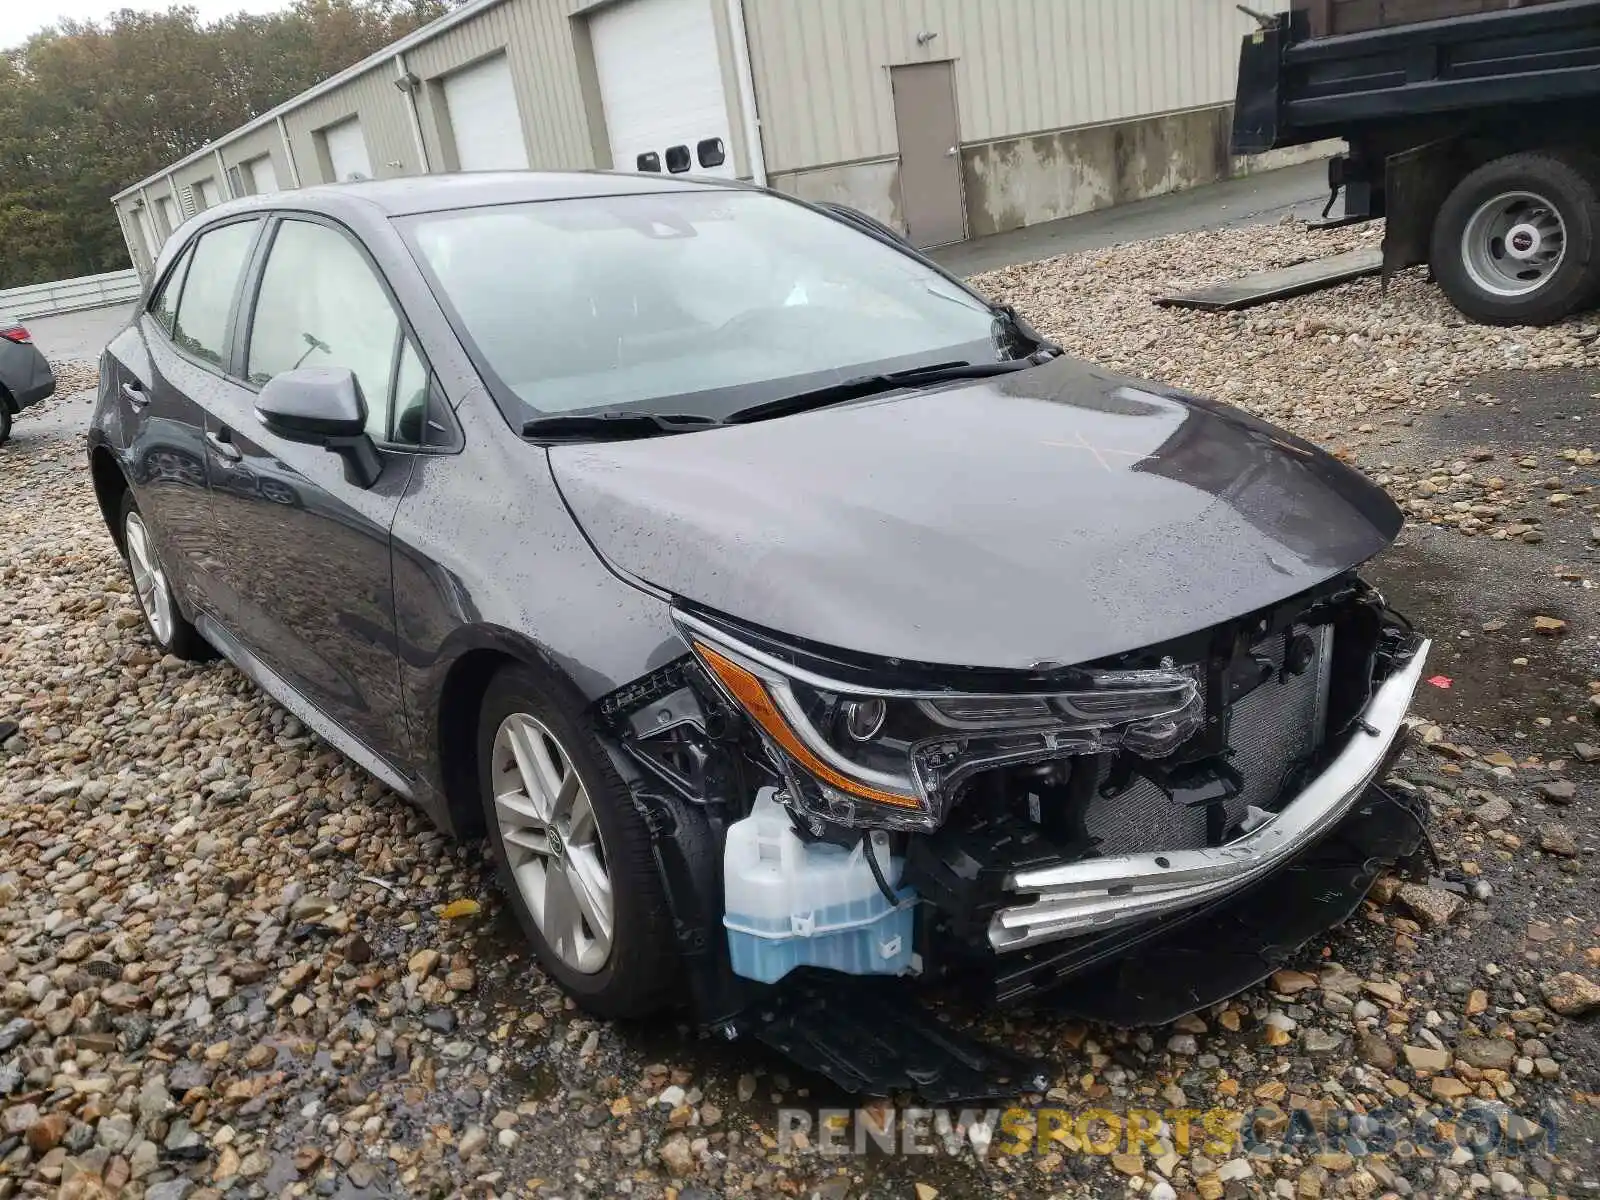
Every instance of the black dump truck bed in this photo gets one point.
(1295, 87)
(1476, 135)
(1355, 16)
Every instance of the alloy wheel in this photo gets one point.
(149, 581)
(552, 842)
(1514, 243)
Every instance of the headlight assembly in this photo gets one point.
(895, 759)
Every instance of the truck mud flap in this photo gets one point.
(870, 1037)
(1416, 182)
(1241, 941)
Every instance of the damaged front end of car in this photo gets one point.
(1129, 839)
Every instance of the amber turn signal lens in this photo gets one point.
(753, 697)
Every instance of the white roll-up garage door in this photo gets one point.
(661, 83)
(484, 120)
(169, 216)
(347, 151)
(152, 239)
(263, 175)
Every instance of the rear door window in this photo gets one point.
(217, 262)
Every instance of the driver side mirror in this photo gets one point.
(322, 406)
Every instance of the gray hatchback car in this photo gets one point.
(25, 375)
(797, 626)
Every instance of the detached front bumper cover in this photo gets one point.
(1100, 894)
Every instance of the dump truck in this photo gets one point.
(1471, 126)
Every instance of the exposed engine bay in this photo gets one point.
(1071, 836)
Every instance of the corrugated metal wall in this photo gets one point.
(256, 143)
(193, 175)
(562, 125)
(821, 71)
(381, 108)
(1021, 66)
(139, 253)
(537, 37)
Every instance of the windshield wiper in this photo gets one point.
(613, 426)
(871, 385)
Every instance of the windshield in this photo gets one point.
(699, 302)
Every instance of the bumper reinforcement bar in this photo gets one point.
(1098, 894)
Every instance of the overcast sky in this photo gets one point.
(23, 20)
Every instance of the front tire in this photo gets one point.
(1517, 242)
(573, 856)
(152, 590)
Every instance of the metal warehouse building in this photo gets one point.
(945, 118)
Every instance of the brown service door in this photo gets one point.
(930, 163)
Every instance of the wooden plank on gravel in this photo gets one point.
(1266, 286)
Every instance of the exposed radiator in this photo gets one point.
(1272, 729)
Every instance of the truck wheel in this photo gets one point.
(1518, 240)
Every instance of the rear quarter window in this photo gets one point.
(164, 307)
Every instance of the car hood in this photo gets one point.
(1052, 516)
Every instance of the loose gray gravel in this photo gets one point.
(232, 964)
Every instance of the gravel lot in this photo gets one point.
(233, 964)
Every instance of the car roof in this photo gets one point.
(432, 193)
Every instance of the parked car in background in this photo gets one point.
(787, 616)
(25, 374)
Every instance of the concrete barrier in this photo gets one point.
(70, 295)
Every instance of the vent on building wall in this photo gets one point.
(186, 200)
(711, 152)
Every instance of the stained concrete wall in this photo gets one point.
(1250, 164)
(1013, 182)
(871, 187)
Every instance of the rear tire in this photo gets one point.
(5, 421)
(598, 866)
(1517, 242)
(152, 590)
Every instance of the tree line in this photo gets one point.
(87, 108)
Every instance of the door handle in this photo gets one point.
(135, 395)
(222, 442)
